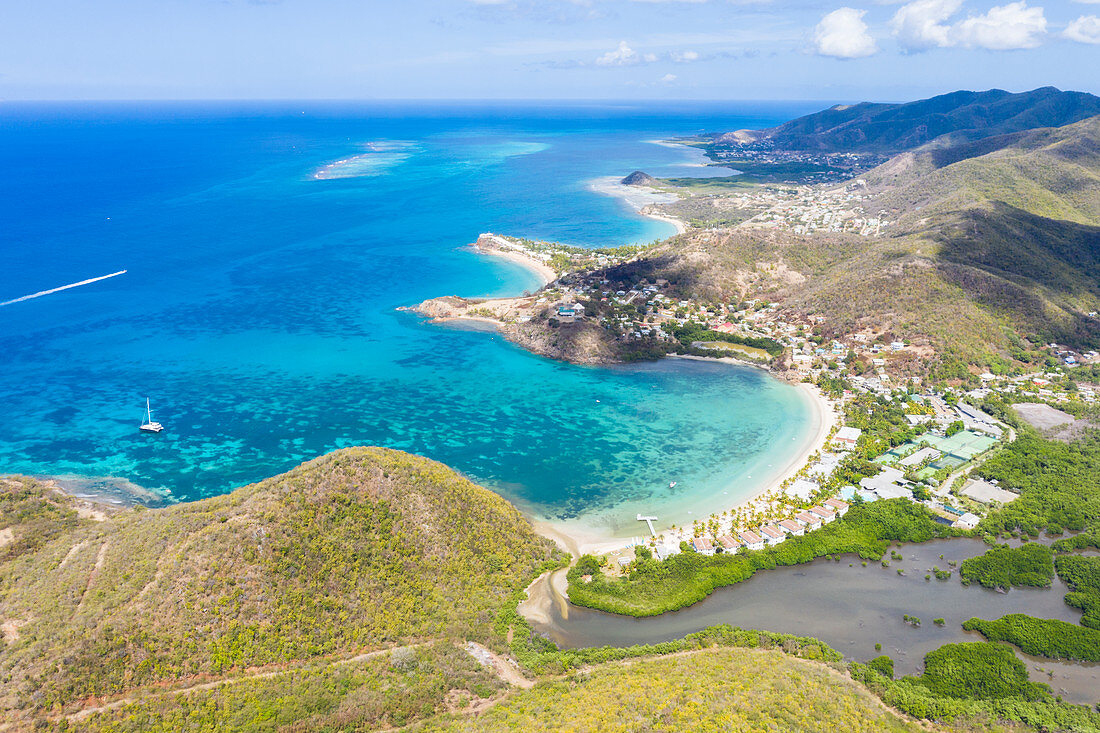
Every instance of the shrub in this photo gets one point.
(1004, 567)
(1042, 637)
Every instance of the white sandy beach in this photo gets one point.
(580, 538)
(681, 227)
(701, 159)
(545, 273)
(639, 198)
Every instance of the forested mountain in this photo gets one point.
(948, 119)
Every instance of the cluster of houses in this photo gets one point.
(819, 210)
(822, 168)
(770, 534)
(1042, 386)
(1072, 358)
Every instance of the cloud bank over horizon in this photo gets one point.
(550, 49)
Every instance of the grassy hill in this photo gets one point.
(949, 118)
(358, 550)
(711, 689)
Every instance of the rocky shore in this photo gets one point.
(524, 323)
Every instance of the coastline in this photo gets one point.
(544, 272)
(639, 198)
(579, 539)
(681, 227)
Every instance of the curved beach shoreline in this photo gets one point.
(639, 198)
(544, 272)
(580, 538)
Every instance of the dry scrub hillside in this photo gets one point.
(995, 250)
(709, 690)
(360, 549)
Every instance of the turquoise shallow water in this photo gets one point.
(258, 310)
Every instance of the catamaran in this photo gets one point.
(149, 426)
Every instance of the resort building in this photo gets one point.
(772, 534)
(728, 543)
(664, 552)
(987, 493)
(792, 528)
(752, 540)
(848, 436)
(803, 489)
(837, 505)
(918, 457)
(703, 546)
(967, 521)
(889, 483)
(809, 520)
(570, 311)
(827, 515)
(889, 491)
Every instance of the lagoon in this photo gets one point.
(849, 606)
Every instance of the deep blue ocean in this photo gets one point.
(258, 311)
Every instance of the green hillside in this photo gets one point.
(949, 118)
(1052, 172)
(358, 550)
(712, 689)
(993, 249)
(348, 594)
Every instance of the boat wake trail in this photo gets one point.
(40, 293)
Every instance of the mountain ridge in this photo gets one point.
(947, 119)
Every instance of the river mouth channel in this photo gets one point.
(848, 605)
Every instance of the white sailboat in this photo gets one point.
(149, 426)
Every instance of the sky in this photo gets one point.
(846, 50)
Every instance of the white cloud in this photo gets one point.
(1085, 29)
(668, 78)
(921, 24)
(684, 57)
(1004, 27)
(843, 34)
(624, 55)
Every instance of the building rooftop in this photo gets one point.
(848, 433)
(987, 493)
(919, 456)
